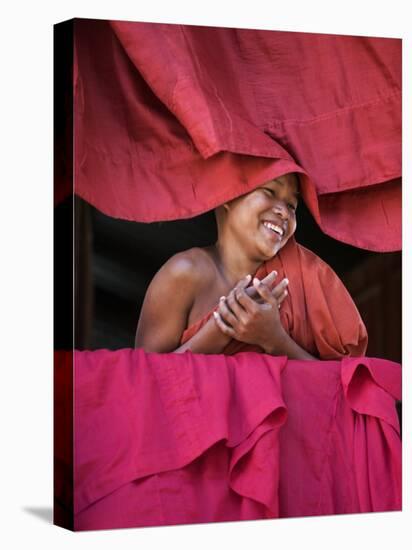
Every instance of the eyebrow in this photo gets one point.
(296, 193)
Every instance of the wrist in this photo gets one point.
(278, 345)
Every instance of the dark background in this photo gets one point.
(116, 260)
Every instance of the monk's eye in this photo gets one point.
(269, 191)
(292, 206)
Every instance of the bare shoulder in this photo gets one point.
(169, 299)
(193, 266)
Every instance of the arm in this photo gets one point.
(210, 339)
(287, 346)
(165, 310)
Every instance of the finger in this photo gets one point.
(235, 306)
(280, 288)
(223, 327)
(282, 297)
(225, 313)
(264, 292)
(270, 278)
(250, 291)
(243, 283)
(232, 302)
(249, 305)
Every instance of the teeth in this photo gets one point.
(274, 228)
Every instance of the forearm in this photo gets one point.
(287, 346)
(209, 340)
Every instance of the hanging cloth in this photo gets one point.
(173, 120)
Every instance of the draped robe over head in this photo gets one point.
(172, 120)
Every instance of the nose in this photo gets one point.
(280, 208)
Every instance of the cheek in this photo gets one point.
(250, 210)
(292, 227)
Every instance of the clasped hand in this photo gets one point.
(251, 315)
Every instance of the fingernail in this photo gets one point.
(215, 314)
(256, 281)
(286, 281)
(286, 292)
(222, 298)
(248, 277)
(274, 272)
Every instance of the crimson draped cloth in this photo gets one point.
(172, 120)
(163, 439)
(318, 312)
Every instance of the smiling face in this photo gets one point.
(265, 218)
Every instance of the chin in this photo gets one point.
(275, 252)
(268, 254)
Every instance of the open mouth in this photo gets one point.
(274, 229)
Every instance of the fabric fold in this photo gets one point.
(253, 459)
(371, 387)
(165, 439)
(163, 411)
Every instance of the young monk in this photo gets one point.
(255, 289)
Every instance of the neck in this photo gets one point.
(233, 263)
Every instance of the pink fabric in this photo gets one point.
(63, 434)
(172, 120)
(184, 438)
